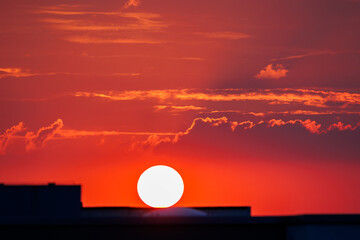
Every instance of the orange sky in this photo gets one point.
(254, 103)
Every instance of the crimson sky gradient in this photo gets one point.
(253, 102)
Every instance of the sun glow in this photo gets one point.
(160, 186)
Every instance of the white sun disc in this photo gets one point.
(160, 186)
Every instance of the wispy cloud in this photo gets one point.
(35, 141)
(272, 72)
(55, 131)
(173, 108)
(225, 35)
(115, 24)
(19, 72)
(100, 40)
(308, 97)
(9, 135)
(71, 133)
(127, 21)
(132, 3)
(191, 58)
(312, 53)
(310, 125)
(342, 127)
(293, 112)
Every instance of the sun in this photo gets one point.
(160, 186)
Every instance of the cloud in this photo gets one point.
(127, 21)
(310, 125)
(36, 141)
(14, 72)
(19, 72)
(313, 53)
(100, 40)
(116, 25)
(246, 124)
(342, 127)
(73, 133)
(272, 73)
(294, 112)
(151, 142)
(130, 95)
(55, 131)
(173, 108)
(190, 59)
(225, 35)
(132, 3)
(208, 120)
(306, 97)
(9, 135)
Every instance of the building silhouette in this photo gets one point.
(55, 212)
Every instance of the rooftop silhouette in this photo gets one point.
(55, 212)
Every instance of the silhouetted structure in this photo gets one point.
(44, 200)
(55, 212)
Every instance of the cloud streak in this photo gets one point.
(310, 125)
(36, 141)
(100, 40)
(225, 35)
(307, 97)
(313, 53)
(173, 108)
(19, 72)
(80, 27)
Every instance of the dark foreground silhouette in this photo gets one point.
(55, 212)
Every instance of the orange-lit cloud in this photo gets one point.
(132, 3)
(295, 112)
(100, 40)
(15, 72)
(72, 133)
(9, 135)
(127, 21)
(311, 126)
(246, 124)
(191, 58)
(212, 121)
(308, 97)
(56, 131)
(342, 127)
(151, 142)
(272, 72)
(35, 141)
(130, 95)
(116, 25)
(19, 72)
(225, 35)
(178, 108)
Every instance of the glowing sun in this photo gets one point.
(160, 186)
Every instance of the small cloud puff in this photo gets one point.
(132, 3)
(272, 72)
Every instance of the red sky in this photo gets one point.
(253, 102)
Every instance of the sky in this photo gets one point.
(254, 102)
